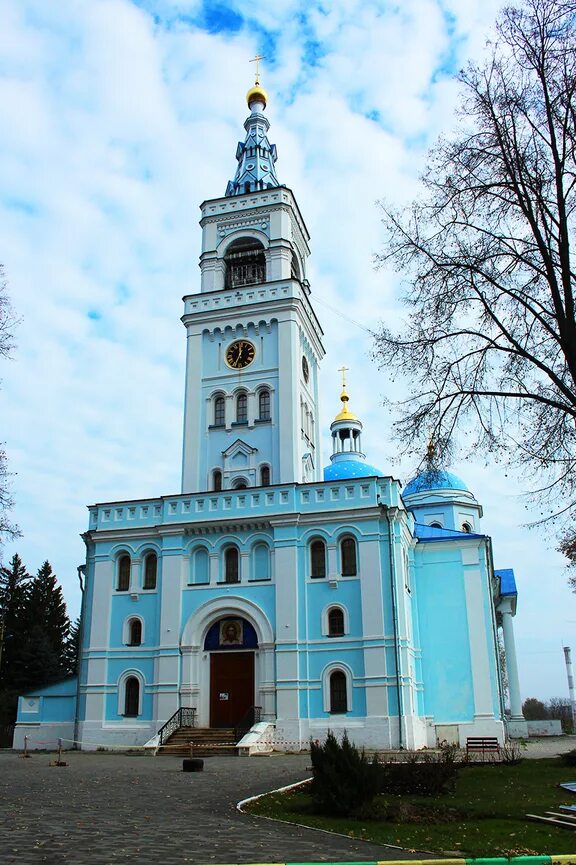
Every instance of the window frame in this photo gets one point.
(332, 611)
(348, 571)
(219, 413)
(242, 413)
(123, 576)
(137, 698)
(343, 707)
(135, 622)
(234, 568)
(148, 584)
(264, 412)
(316, 572)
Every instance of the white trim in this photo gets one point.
(325, 628)
(326, 673)
(121, 686)
(126, 631)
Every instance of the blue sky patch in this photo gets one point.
(218, 18)
(19, 204)
(94, 315)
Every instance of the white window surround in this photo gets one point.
(126, 630)
(326, 673)
(127, 674)
(326, 610)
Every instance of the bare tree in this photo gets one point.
(490, 339)
(8, 530)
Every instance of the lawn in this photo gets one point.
(484, 816)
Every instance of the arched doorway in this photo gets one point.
(231, 642)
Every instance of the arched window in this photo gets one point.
(240, 484)
(200, 566)
(231, 565)
(466, 527)
(123, 583)
(241, 408)
(338, 695)
(150, 571)
(217, 480)
(219, 411)
(264, 405)
(435, 526)
(348, 556)
(265, 476)
(135, 632)
(245, 262)
(317, 559)
(261, 562)
(336, 622)
(131, 697)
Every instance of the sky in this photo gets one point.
(119, 117)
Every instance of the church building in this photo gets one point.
(275, 598)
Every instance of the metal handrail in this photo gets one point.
(251, 717)
(183, 717)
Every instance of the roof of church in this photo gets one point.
(354, 468)
(434, 479)
(255, 155)
(507, 581)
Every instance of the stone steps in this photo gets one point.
(207, 742)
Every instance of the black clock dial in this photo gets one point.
(305, 369)
(240, 354)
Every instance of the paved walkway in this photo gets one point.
(106, 809)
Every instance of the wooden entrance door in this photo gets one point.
(231, 687)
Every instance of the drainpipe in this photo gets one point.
(395, 623)
(81, 570)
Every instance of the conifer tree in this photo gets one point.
(14, 588)
(72, 649)
(43, 656)
(14, 582)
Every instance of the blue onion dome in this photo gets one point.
(434, 479)
(344, 469)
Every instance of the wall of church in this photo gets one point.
(456, 627)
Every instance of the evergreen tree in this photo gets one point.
(14, 582)
(72, 649)
(43, 656)
(14, 590)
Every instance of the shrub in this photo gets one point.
(511, 752)
(569, 758)
(422, 774)
(345, 781)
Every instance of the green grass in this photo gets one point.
(484, 816)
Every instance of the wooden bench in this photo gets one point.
(482, 745)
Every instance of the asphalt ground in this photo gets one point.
(118, 809)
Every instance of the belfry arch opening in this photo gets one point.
(245, 263)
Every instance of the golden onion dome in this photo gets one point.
(345, 414)
(256, 94)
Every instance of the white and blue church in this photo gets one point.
(272, 594)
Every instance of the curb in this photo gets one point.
(565, 859)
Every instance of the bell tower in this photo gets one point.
(254, 343)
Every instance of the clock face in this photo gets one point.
(240, 354)
(305, 369)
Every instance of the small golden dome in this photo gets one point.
(345, 414)
(257, 94)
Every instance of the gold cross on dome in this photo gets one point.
(257, 60)
(343, 370)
